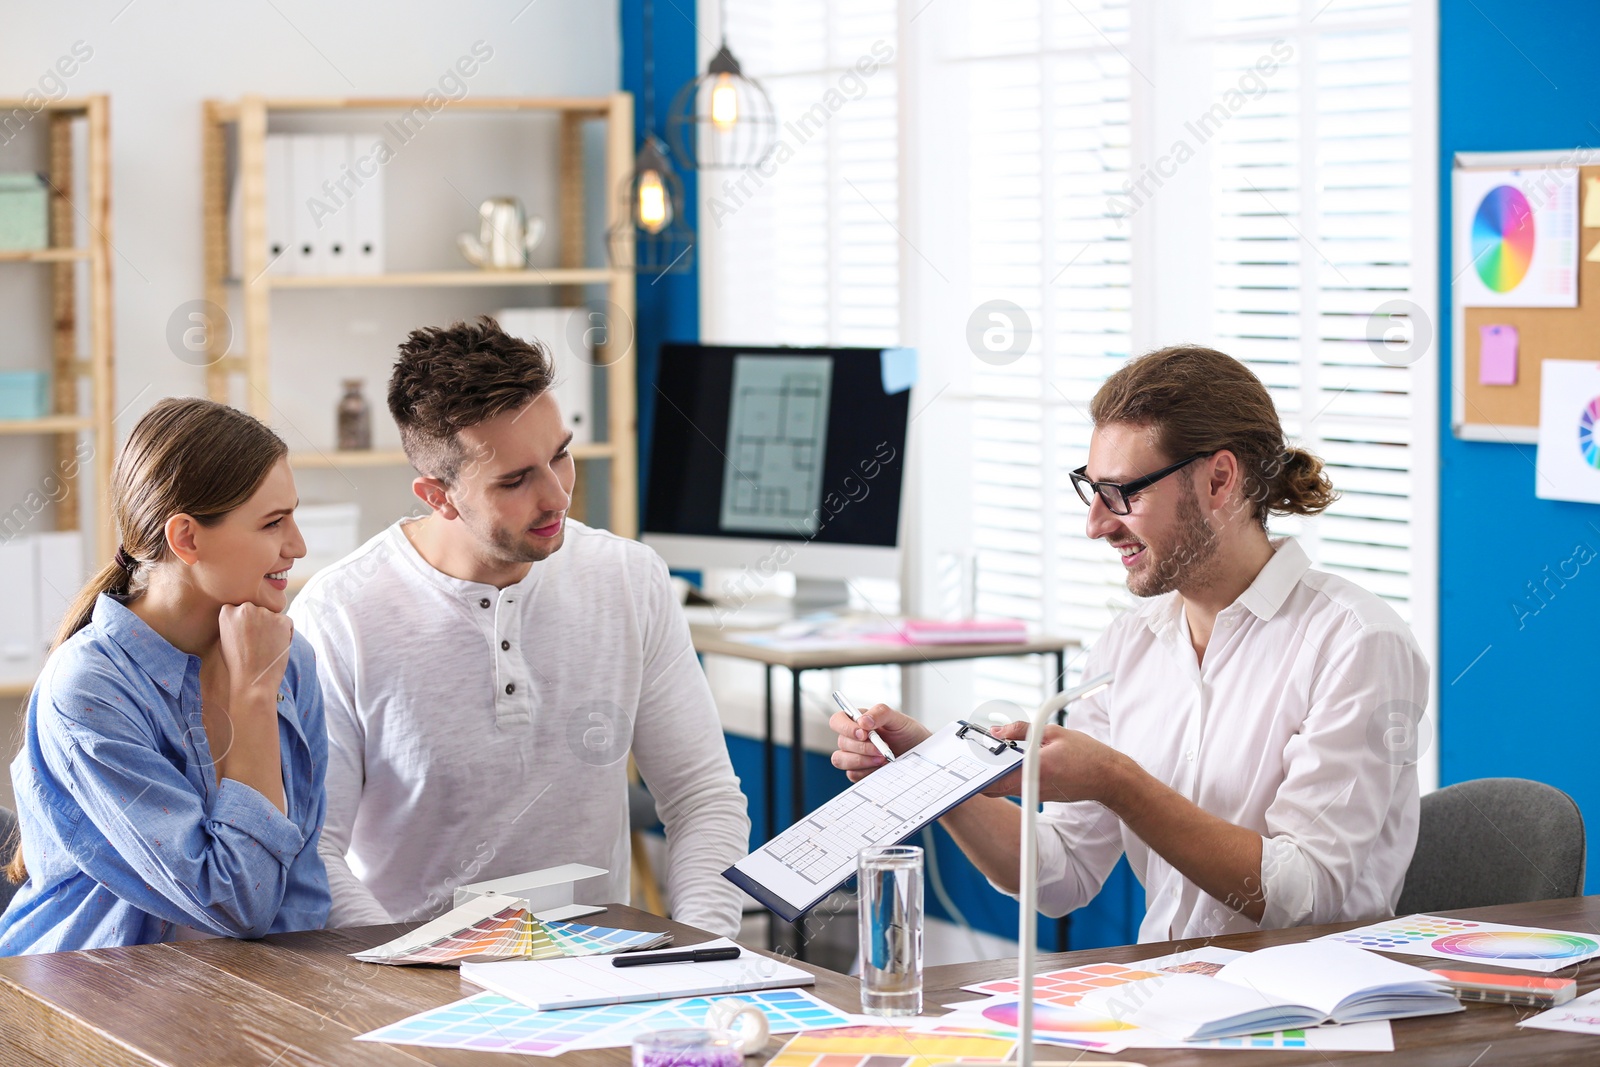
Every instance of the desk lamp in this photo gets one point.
(1028, 887)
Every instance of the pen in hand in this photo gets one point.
(848, 706)
(701, 955)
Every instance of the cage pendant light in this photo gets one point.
(724, 119)
(650, 236)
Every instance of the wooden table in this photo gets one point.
(297, 999)
(287, 1000)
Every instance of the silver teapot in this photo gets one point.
(505, 235)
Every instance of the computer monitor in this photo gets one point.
(778, 459)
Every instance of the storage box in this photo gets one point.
(24, 212)
(24, 394)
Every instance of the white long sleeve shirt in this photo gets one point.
(1299, 725)
(477, 732)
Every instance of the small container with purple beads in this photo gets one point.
(696, 1047)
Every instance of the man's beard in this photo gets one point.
(1190, 561)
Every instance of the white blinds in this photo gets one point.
(1312, 186)
(1292, 223)
(804, 251)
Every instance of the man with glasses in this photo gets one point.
(1255, 757)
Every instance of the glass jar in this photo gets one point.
(355, 418)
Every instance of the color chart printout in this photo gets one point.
(810, 859)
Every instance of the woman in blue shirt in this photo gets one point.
(170, 780)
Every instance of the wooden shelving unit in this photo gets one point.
(250, 117)
(71, 416)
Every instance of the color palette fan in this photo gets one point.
(1522, 947)
(488, 928)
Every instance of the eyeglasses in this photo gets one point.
(1116, 495)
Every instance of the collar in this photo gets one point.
(1264, 597)
(1277, 579)
(450, 585)
(151, 653)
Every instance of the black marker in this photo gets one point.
(698, 955)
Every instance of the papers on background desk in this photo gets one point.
(592, 980)
(1060, 1020)
(1580, 1016)
(493, 927)
(1525, 948)
(490, 1022)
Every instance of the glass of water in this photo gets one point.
(890, 881)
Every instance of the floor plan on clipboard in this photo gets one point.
(793, 872)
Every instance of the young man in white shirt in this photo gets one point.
(487, 669)
(1251, 756)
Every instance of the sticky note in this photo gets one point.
(899, 368)
(1594, 254)
(1591, 203)
(1497, 355)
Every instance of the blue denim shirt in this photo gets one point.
(126, 831)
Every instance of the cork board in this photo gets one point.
(1511, 412)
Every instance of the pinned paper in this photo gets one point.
(1591, 203)
(1497, 355)
(1568, 463)
(899, 368)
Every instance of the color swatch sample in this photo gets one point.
(489, 1022)
(1588, 442)
(887, 1046)
(1065, 987)
(1521, 947)
(1503, 238)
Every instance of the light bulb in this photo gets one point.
(724, 103)
(654, 211)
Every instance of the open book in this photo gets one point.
(1281, 988)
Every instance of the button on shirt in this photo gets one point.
(478, 732)
(1284, 729)
(128, 837)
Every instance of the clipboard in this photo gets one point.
(795, 871)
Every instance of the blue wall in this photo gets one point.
(1514, 75)
(669, 305)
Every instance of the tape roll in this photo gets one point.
(746, 1022)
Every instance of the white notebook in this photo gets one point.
(589, 980)
(1282, 988)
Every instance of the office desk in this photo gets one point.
(287, 1000)
(1485, 1035)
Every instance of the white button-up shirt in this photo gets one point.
(477, 732)
(1300, 724)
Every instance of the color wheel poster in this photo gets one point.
(1516, 238)
(1569, 431)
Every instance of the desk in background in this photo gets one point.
(297, 999)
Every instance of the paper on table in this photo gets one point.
(1580, 1016)
(1462, 940)
(1497, 355)
(589, 980)
(491, 1022)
